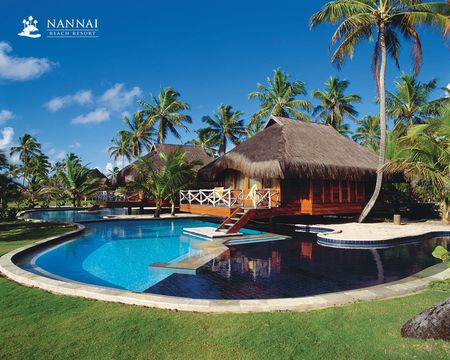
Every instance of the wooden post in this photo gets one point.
(349, 198)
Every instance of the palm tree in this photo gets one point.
(425, 160)
(344, 129)
(205, 141)
(179, 172)
(382, 20)
(224, 126)
(3, 160)
(410, 103)
(334, 104)
(176, 173)
(138, 134)
(39, 165)
(35, 189)
(76, 182)
(8, 188)
(120, 148)
(27, 148)
(113, 173)
(367, 132)
(165, 113)
(253, 128)
(279, 98)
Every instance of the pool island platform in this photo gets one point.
(381, 234)
(212, 248)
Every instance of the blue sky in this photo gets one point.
(71, 93)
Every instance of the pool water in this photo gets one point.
(118, 253)
(73, 215)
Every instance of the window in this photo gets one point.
(269, 183)
(240, 181)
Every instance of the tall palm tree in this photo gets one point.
(367, 132)
(27, 148)
(165, 113)
(279, 98)
(205, 141)
(334, 104)
(410, 103)
(384, 21)
(138, 134)
(225, 125)
(120, 148)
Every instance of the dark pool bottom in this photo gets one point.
(296, 268)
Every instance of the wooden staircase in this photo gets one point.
(237, 220)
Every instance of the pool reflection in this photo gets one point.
(298, 267)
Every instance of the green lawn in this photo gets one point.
(37, 325)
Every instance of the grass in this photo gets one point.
(14, 234)
(37, 325)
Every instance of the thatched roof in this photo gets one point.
(96, 173)
(192, 153)
(288, 148)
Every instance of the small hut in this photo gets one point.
(128, 173)
(294, 166)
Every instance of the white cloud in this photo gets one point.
(127, 114)
(117, 98)
(20, 68)
(56, 154)
(447, 93)
(94, 117)
(6, 115)
(109, 167)
(75, 145)
(82, 97)
(6, 138)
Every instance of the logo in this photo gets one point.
(62, 28)
(29, 28)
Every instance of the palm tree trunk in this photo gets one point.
(382, 154)
(444, 211)
(172, 207)
(158, 208)
(432, 323)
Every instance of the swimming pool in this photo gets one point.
(72, 215)
(117, 254)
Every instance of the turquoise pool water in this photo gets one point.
(118, 253)
(73, 215)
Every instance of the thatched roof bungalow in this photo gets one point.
(311, 169)
(128, 173)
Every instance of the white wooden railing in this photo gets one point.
(111, 196)
(264, 198)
